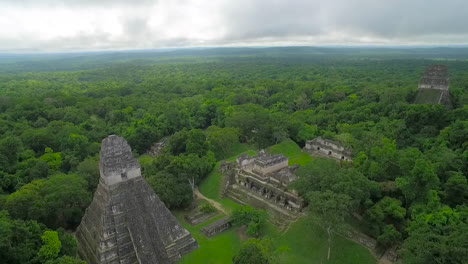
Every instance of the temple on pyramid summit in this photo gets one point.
(126, 222)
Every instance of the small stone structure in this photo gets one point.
(263, 182)
(198, 217)
(328, 148)
(126, 221)
(217, 227)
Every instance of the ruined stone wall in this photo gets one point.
(327, 149)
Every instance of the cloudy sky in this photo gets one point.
(76, 25)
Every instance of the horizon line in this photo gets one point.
(164, 49)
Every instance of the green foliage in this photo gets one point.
(189, 142)
(417, 184)
(387, 211)
(439, 236)
(53, 160)
(50, 248)
(69, 243)
(207, 208)
(142, 134)
(66, 260)
(222, 140)
(389, 237)
(19, 240)
(10, 148)
(253, 251)
(456, 190)
(88, 169)
(59, 201)
(307, 132)
(173, 190)
(415, 152)
(322, 174)
(250, 217)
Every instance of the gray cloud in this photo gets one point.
(76, 3)
(272, 18)
(178, 23)
(405, 19)
(400, 18)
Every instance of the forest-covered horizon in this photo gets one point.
(407, 184)
(82, 60)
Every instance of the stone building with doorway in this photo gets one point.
(328, 149)
(263, 182)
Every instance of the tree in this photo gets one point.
(53, 159)
(253, 122)
(325, 174)
(50, 248)
(142, 134)
(389, 237)
(307, 132)
(188, 142)
(254, 251)
(19, 240)
(386, 212)
(456, 190)
(417, 184)
(69, 243)
(255, 220)
(58, 201)
(10, 147)
(437, 237)
(222, 140)
(172, 189)
(88, 169)
(332, 209)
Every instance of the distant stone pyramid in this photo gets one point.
(126, 222)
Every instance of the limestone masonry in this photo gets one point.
(263, 182)
(435, 77)
(328, 148)
(434, 86)
(126, 221)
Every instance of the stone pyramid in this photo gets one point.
(126, 221)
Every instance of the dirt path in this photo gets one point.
(214, 203)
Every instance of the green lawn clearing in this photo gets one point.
(307, 243)
(290, 149)
(215, 250)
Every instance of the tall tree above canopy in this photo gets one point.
(438, 237)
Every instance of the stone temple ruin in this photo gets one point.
(435, 77)
(328, 149)
(262, 182)
(126, 221)
(434, 86)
